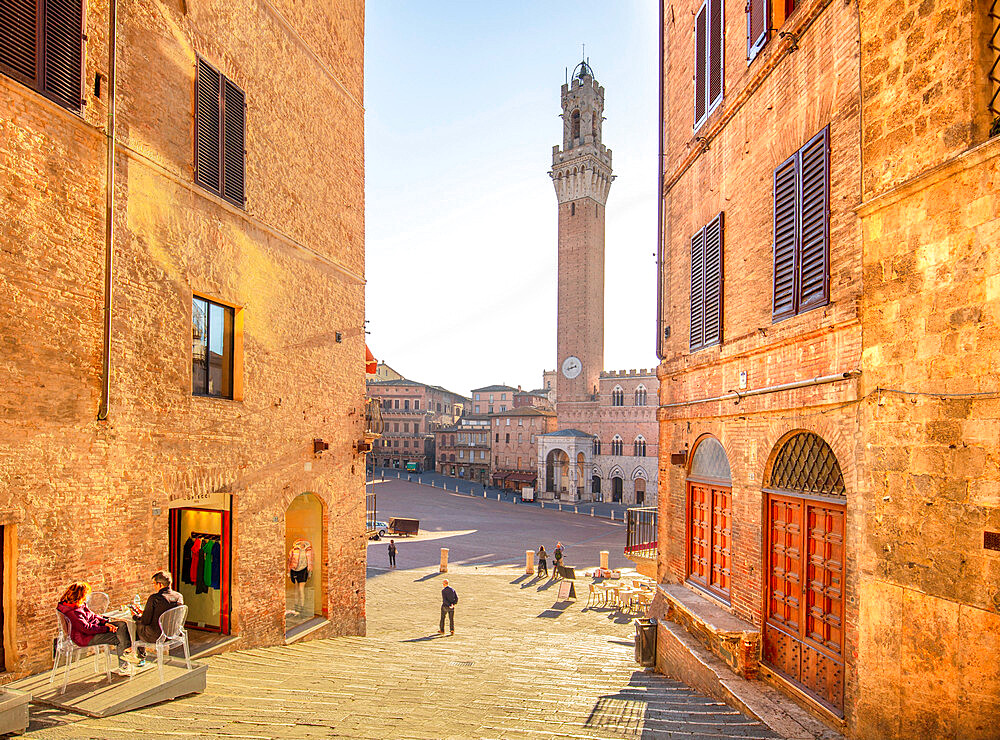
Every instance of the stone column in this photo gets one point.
(529, 562)
(444, 559)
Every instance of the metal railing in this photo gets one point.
(640, 532)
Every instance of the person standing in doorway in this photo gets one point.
(448, 600)
(392, 553)
(543, 563)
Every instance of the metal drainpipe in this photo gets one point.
(820, 380)
(109, 221)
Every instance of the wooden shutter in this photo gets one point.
(715, 52)
(208, 136)
(63, 57)
(814, 223)
(757, 26)
(19, 40)
(713, 282)
(785, 228)
(698, 290)
(700, 63)
(233, 143)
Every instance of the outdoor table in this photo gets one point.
(119, 615)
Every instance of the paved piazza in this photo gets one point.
(521, 665)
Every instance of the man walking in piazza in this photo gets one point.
(448, 600)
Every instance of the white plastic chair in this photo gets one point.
(172, 633)
(98, 602)
(67, 649)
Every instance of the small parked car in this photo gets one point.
(377, 529)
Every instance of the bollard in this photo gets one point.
(444, 559)
(591, 511)
(576, 510)
(612, 515)
(542, 504)
(529, 562)
(498, 497)
(560, 507)
(604, 559)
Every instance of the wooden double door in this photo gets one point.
(804, 625)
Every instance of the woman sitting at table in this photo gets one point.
(87, 628)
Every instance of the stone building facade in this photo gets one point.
(234, 304)
(493, 399)
(411, 412)
(810, 256)
(617, 408)
(463, 451)
(514, 436)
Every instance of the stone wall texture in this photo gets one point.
(88, 499)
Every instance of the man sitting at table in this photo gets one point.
(147, 622)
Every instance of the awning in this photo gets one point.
(500, 476)
(371, 364)
(522, 477)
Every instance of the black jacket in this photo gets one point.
(156, 605)
(448, 596)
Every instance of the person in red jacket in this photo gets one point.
(87, 628)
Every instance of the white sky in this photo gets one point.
(462, 102)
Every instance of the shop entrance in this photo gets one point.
(304, 583)
(200, 556)
(806, 516)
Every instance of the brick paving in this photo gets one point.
(521, 665)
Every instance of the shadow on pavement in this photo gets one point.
(427, 577)
(435, 636)
(520, 578)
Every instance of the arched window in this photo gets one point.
(597, 446)
(617, 445)
(805, 536)
(618, 396)
(575, 125)
(710, 518)
(640, 395)
(639, 446)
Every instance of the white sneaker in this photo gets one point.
(124, 669)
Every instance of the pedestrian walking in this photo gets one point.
(448, 600)
(557, 557)
(392, 553)
(543, 565)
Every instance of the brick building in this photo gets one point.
(463, 450)
(168, 369)
(514, 438)
(538, 397)
(411, 413)
(838, 530)
(613, 408)
(493, 398)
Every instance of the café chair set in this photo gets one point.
(627, 594)
(172, 634)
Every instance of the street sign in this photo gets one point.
(567, 590)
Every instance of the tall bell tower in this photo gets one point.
(581, 173)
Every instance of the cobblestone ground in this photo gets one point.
(521, 665)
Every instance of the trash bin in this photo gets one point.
(645, 642)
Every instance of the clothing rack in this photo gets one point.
(206, 536)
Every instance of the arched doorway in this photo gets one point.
(804, 609)
(581, 465)
(640, 491)
(710, 518)
(595, 484)
(304, 578)
(557, 472)
(617, 489)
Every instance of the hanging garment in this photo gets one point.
(210, 557)
(217, 565)
(192, 574)
(199, 569)
(186, 563)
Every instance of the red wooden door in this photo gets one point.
(710, 522)
(803, 633)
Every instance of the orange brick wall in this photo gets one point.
(90, 500)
